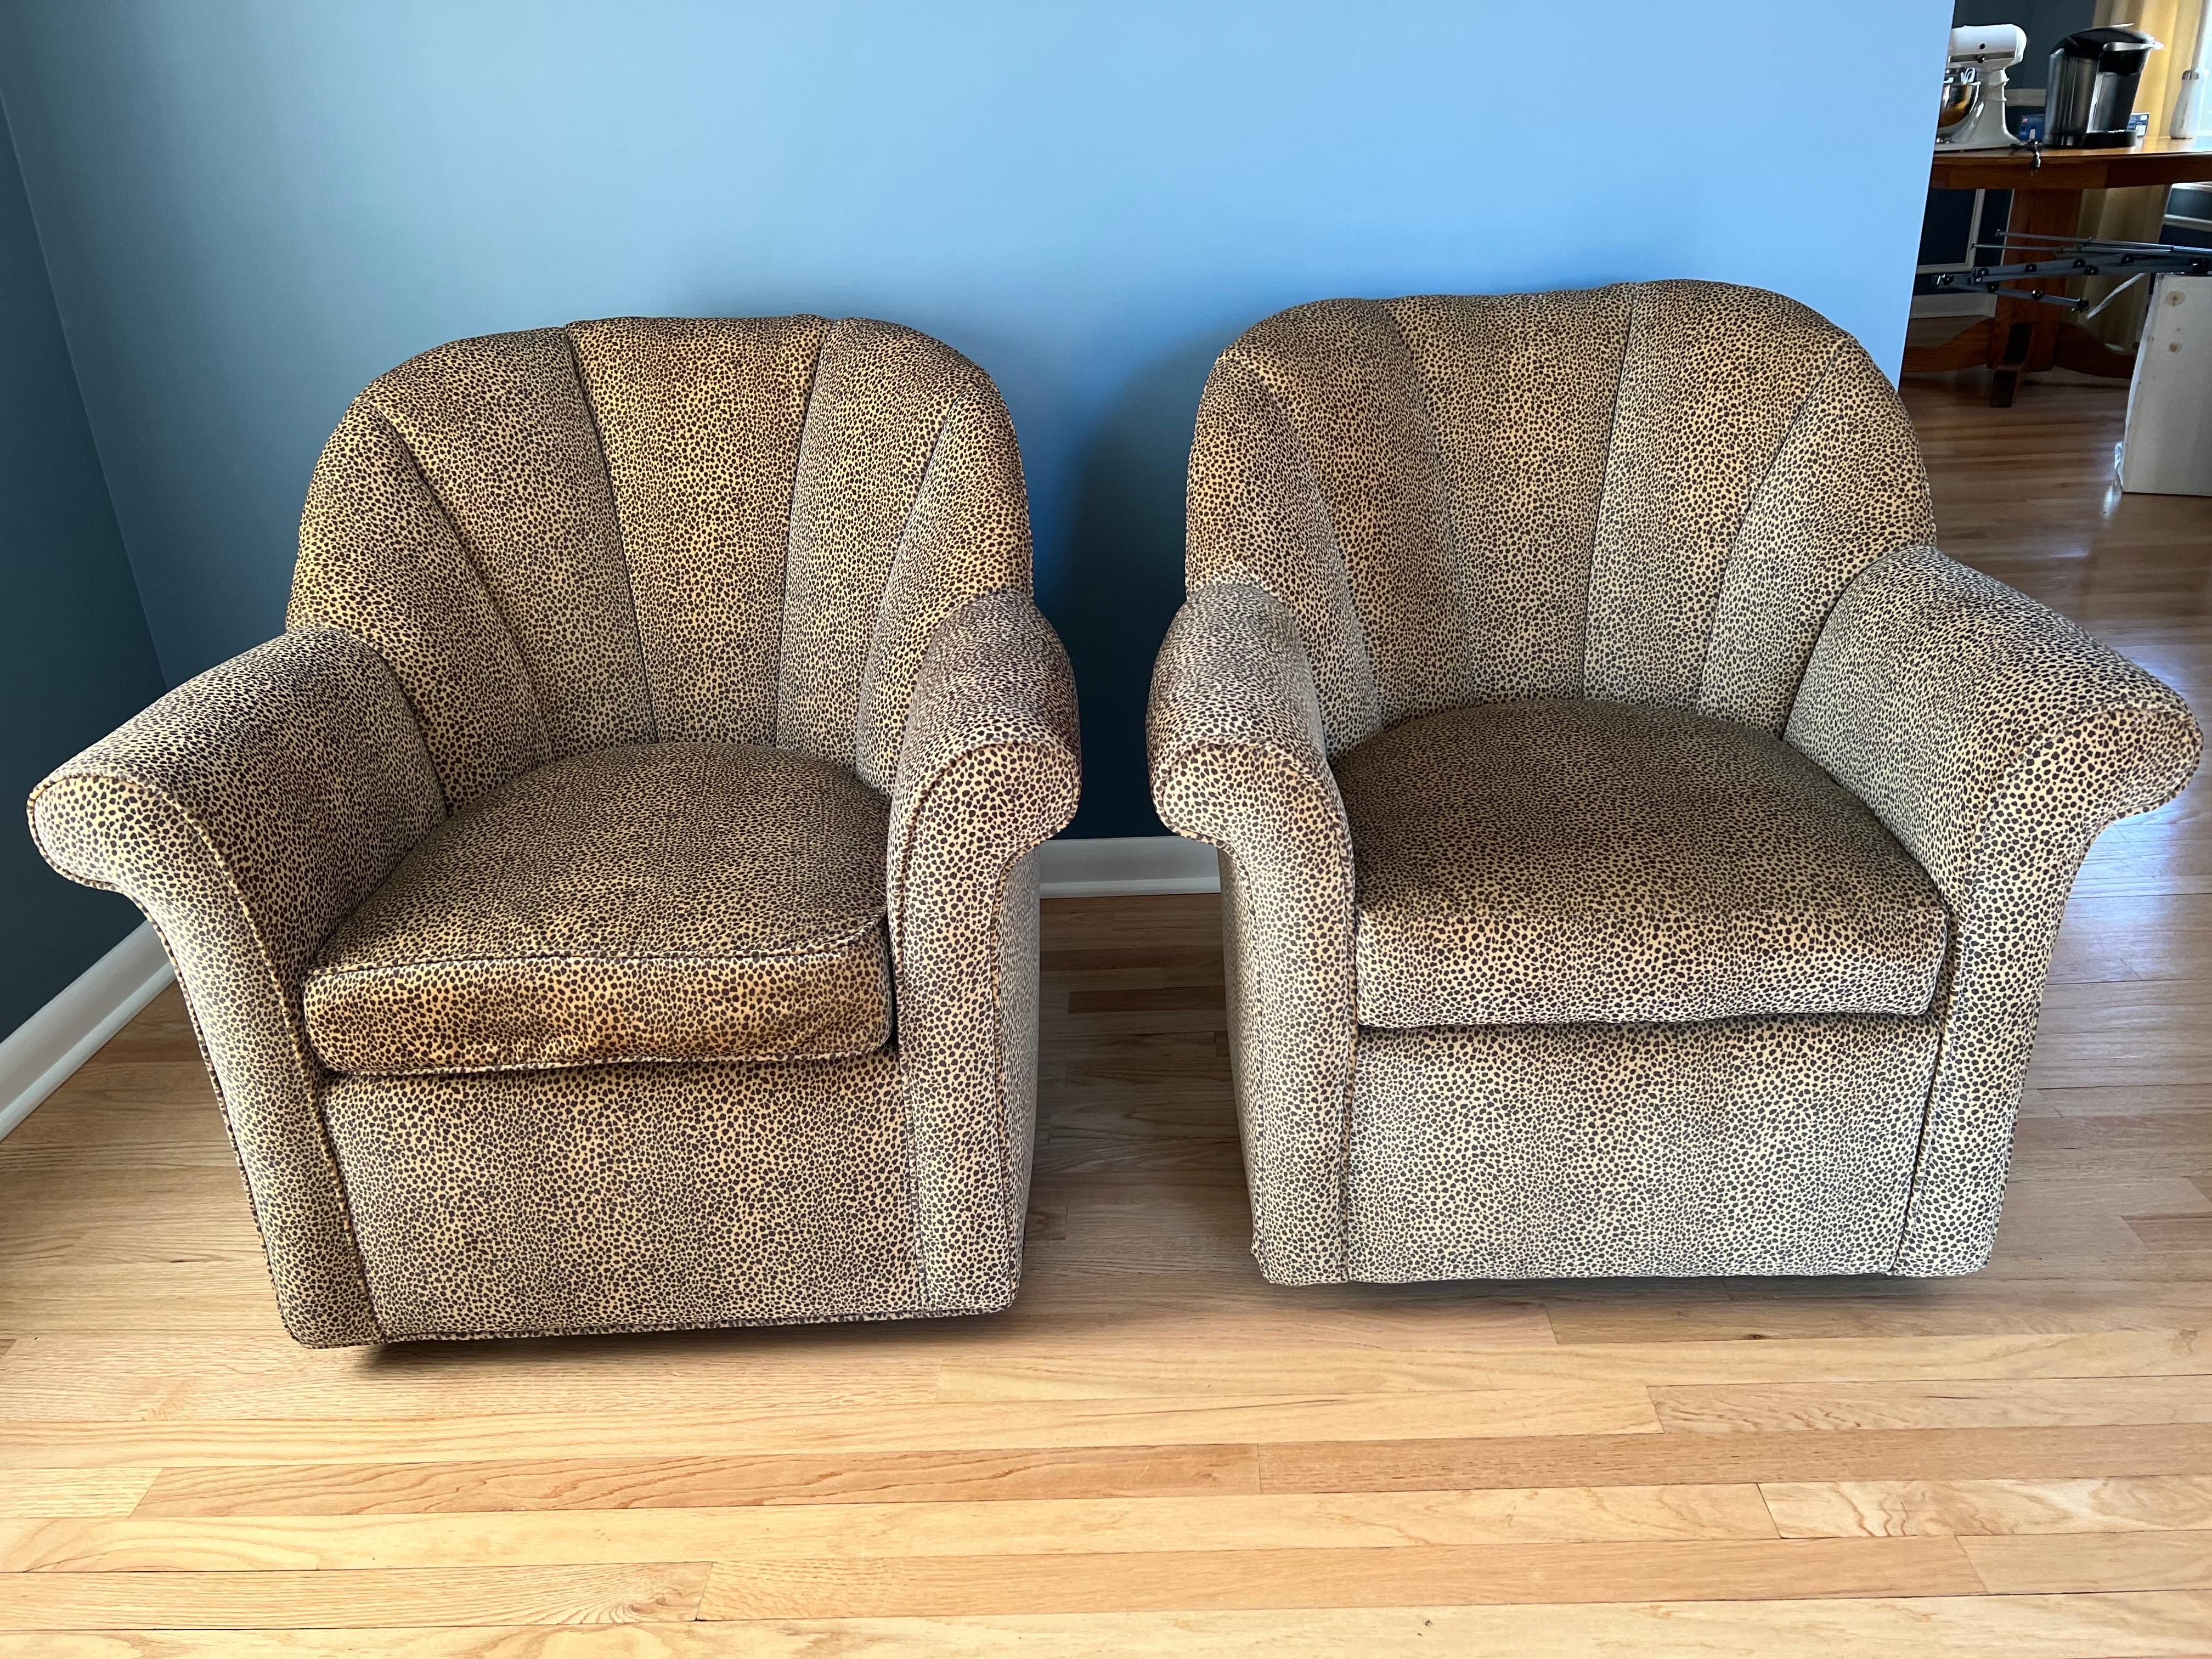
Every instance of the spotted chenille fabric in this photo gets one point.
(679, 900)
(247, 813)
(1566, 859)
(1640, 850)
(1998, 740)
(611, 905)
(1238, 759)
(610, 1198)
(989, 768)
(1760, 1145)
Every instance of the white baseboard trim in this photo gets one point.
(37, 1057)
(1126, 865)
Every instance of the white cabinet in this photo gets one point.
(2168, 448)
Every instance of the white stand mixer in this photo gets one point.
(1973, 113)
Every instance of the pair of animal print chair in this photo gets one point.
(613, 903)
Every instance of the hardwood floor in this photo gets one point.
(1155, 1451)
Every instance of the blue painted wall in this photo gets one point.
(252, 207)
(74, 657)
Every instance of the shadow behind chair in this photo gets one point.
(1641, 850)
(609, 906)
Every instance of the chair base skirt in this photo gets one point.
(636, 1198)
(1758, 1145)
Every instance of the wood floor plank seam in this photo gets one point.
(630, 1592)
(2157, 1625)
(1084, 1527)
(1262, 1580)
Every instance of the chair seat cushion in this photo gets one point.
(662, 902)
(1566, 859)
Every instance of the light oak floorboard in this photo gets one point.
(1937, 1404)
(244, 1600)
(1205, 1580)
(2108, 1561)
(45, 1445)
(1208, 1370)
(1759, 1455)
(1898, 1509)
(1376, 1521)
(57, 1377)
(75, 1491)
(611, 1484)
(2093, 1626)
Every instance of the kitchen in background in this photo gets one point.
(1957, 219)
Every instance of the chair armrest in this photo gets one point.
(1970, 716)
(1232, 679)
(990, 758)
(1997, 740)
(247, 813)
(988, 768)
(1238, 759)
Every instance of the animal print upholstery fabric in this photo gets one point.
(663, 901)
(1714, 382)
(247, 813)
(642, 530)
(1658, 497)
(679, 618)
(1562, 859)
(1649, 492)
(1998, 740)
(702, 484)
(963, 532)
(1238, 760)
(380, 560)
(1780, 1145)
(500, 429)
(989, 771)
(631, 1197)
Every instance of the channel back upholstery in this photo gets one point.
(1651, 493)
(663, 530)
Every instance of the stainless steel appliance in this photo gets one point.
(2092, 91)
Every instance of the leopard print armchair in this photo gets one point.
(610, 905)
(1641, 850)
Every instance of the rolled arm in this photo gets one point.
(988, 769)
(247, 813)
(1239, 759)
(1997, 740)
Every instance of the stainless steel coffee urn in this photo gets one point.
(2093, 88)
